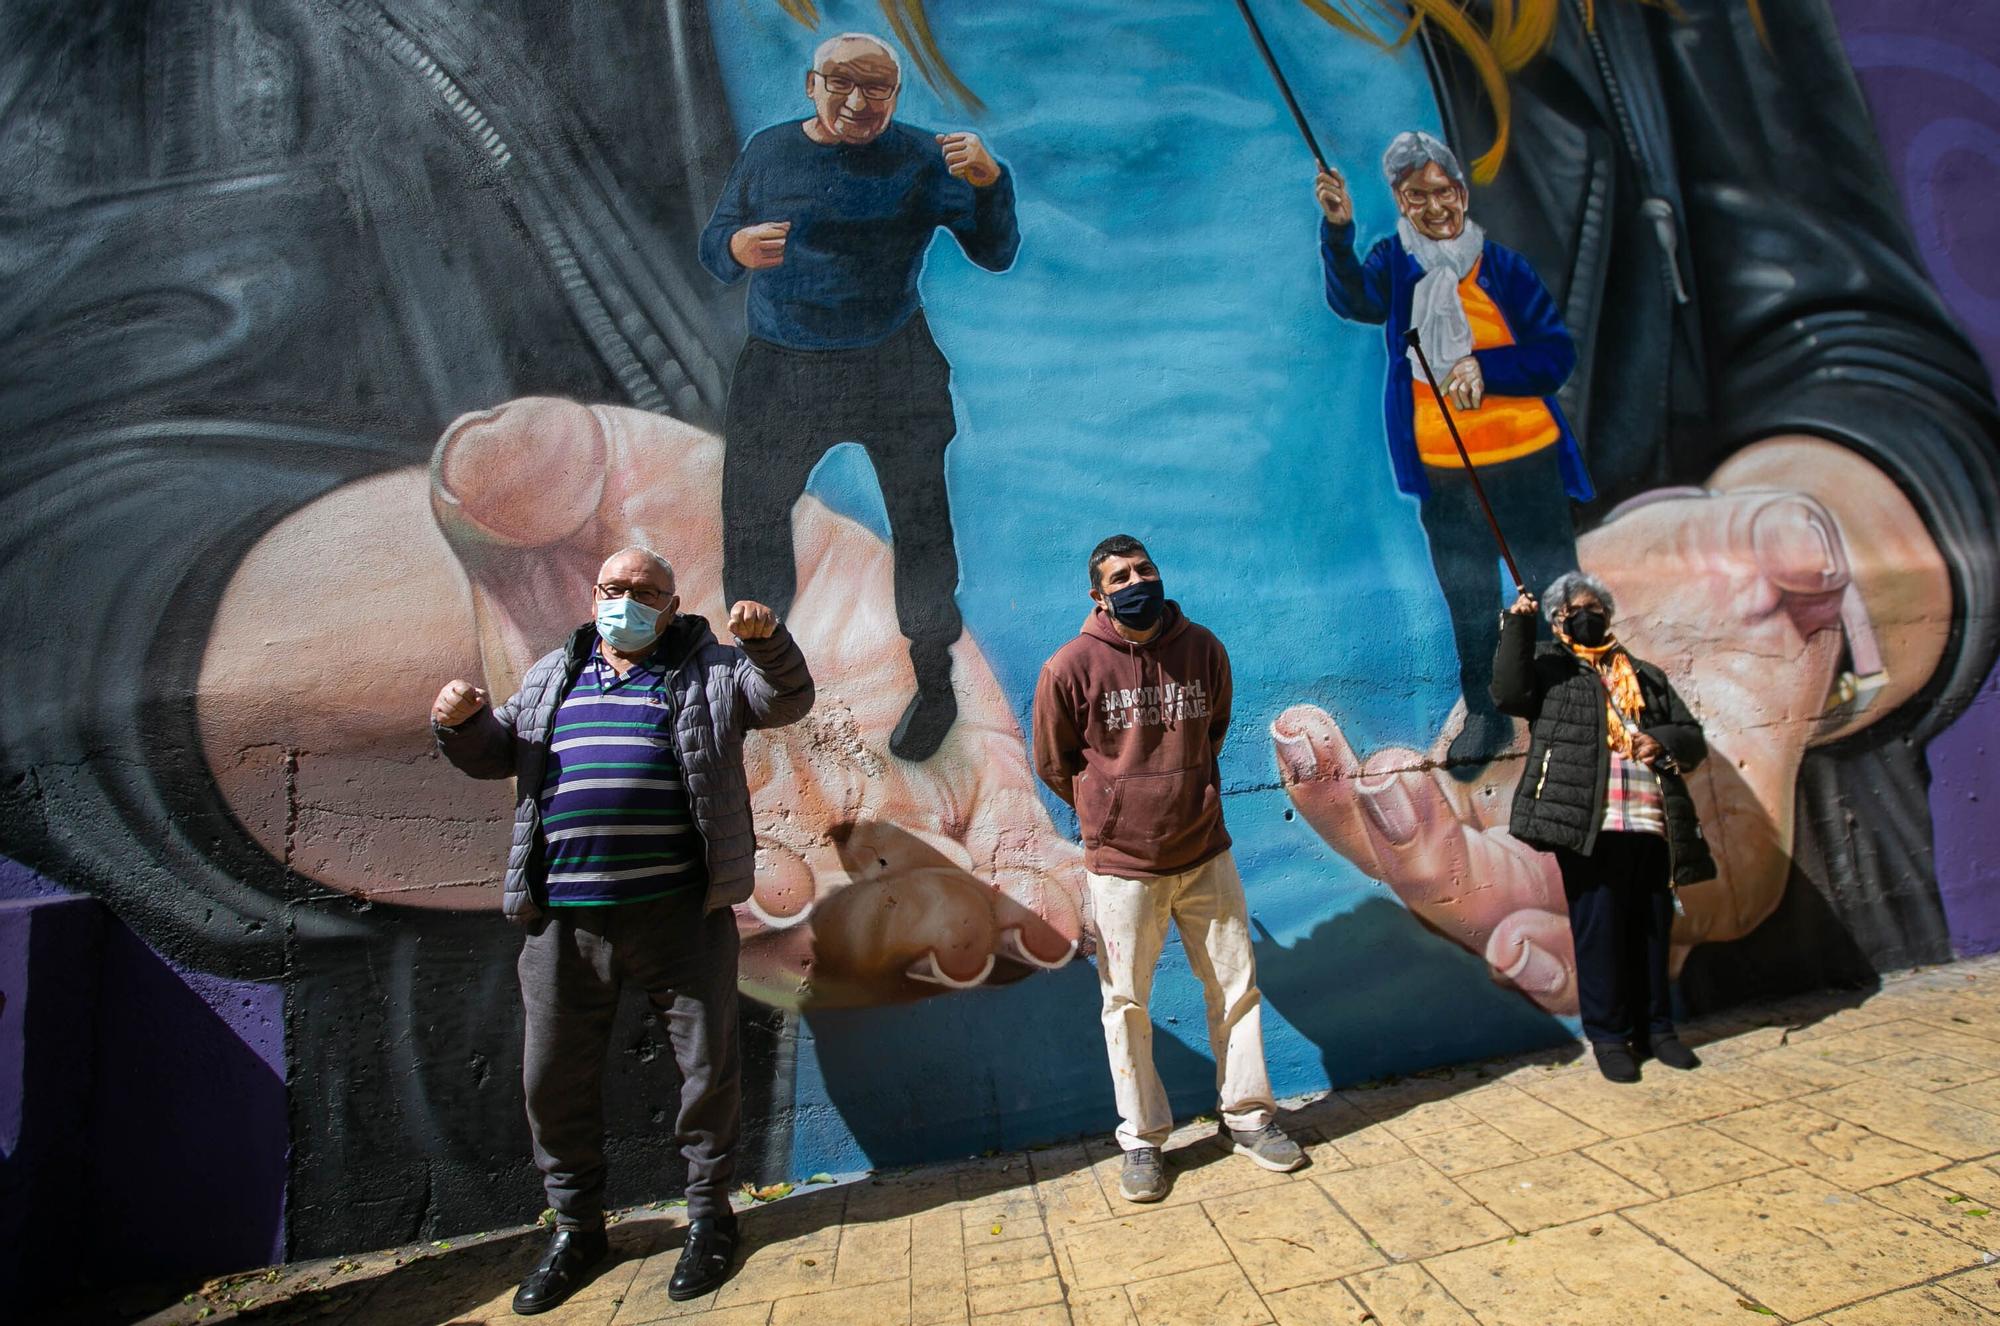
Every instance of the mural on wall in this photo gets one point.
(346, 339)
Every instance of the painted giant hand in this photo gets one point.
(1737, 591)
(878, 880)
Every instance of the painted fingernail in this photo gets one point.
(1391, 807)
(1536, 970)
(1295, 754)
(928, 970)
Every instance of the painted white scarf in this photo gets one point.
(1436, 311)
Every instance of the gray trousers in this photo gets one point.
(571, 974)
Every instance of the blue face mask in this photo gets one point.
(627, 624)
(1139, 605)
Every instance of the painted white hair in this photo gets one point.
(1415, 149)
(825, 49)
(1569, 586)
(640, 550)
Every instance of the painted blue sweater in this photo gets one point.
(862, 218)
(1379, 290)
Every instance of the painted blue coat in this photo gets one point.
(1380, 289)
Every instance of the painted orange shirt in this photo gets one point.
(1503, 427)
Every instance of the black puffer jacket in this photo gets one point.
(1560, 802)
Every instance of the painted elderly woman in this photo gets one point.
(1610, 743)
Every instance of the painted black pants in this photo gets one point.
(1533, 511)
(571, 974)
(1621, 913)
(787, 409)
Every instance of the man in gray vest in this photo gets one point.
(632, 843)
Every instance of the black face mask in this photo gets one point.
(1139, 605)
(1589, 627)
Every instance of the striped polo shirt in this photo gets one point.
(615, 812)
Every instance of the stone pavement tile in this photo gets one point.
(1011, 1213)
(1717, 1043)
(1329, 1113)
(1370, 1146)
(1320, 1305)
(1925, 1306)
(1407, 1296)
(1290, 1236)
(868, 1253)
(1983, 1095)
(1008, 1261)
(1798, 1245)
(1978, 1179)
(863, 1305)
(1808, 1025)
(1068, 1186)
(1859, 1046)
(1468, 1150)
(1569, 1276)
(1552, 1190)
(1136, 1247)
(1322, 1156)
(1926, 1070)
(992, 1175)
(1387, 1100)
(1792, 1065)
(779, 1270)
(1212, 1296)
(1981, 1286)
(1102, 1307)
(1682, 1159)
(1411, 1210)
(1013, 1294)
(1916, 1117)
(1958, 1043)
(1662, 1100)
(1754, 1076)
(895, 1196)
(1541, 1128)
(1428, 1117)
(937, 1269)
(1840, 1152)
(699, 1311)
(1048, 1314)
(1942, 1209)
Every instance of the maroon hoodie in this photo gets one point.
(1128, 734)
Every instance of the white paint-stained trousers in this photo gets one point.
(1207, 904)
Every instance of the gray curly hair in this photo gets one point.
(1569, 587)
(1413, 150)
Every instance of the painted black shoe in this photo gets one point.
(1669, 1051)
(564, 1270)
(1486, 733)
(928, 716)
(705, 1258)
(1616, 1062)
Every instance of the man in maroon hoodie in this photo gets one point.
(1129, 721)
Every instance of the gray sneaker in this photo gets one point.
(1268, 1146)
(1143, 1179)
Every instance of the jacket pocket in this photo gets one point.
(1152, 814)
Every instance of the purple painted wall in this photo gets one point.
(1931, 72)
(128, 1088)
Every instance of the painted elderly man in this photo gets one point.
(830, 219)
(1495, 339)
(632, 843)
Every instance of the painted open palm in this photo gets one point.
(878, 880)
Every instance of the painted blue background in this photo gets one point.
(1160, 361)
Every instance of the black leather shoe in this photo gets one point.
(931, 711)
(1669, 1051)
(1616, 1062)
(704, 1263)
(562, 1272)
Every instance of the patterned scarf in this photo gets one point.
(1622, 701)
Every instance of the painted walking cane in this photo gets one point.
(1284, 88)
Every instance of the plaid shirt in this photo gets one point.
(1632, 800)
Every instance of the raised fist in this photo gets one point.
(458, 701)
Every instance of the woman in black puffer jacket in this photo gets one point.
(1610, 744)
